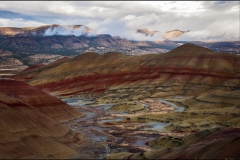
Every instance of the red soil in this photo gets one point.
(47, 104)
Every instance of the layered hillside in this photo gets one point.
(204, 82)
(29, 124)
(45, 103)
(186, 70)
(208, 81)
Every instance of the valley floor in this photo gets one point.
(109, 134)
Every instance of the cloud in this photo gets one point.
(205, 35)
(68, 30)
(19, 23)
(121, 28)
(120, 18)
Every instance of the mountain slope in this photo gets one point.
(28, 133)
(178, 72)
(45, 103)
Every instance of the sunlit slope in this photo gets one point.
(34, 70)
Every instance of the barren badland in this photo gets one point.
(182, 104)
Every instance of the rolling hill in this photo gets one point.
(206, 83)
(30, 125)
(186, 70)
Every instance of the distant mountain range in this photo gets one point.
(76, 39)
(76, 30)
(44, 44)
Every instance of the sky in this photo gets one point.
(206, 20)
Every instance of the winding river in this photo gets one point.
(127, 137)
(179, 109)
